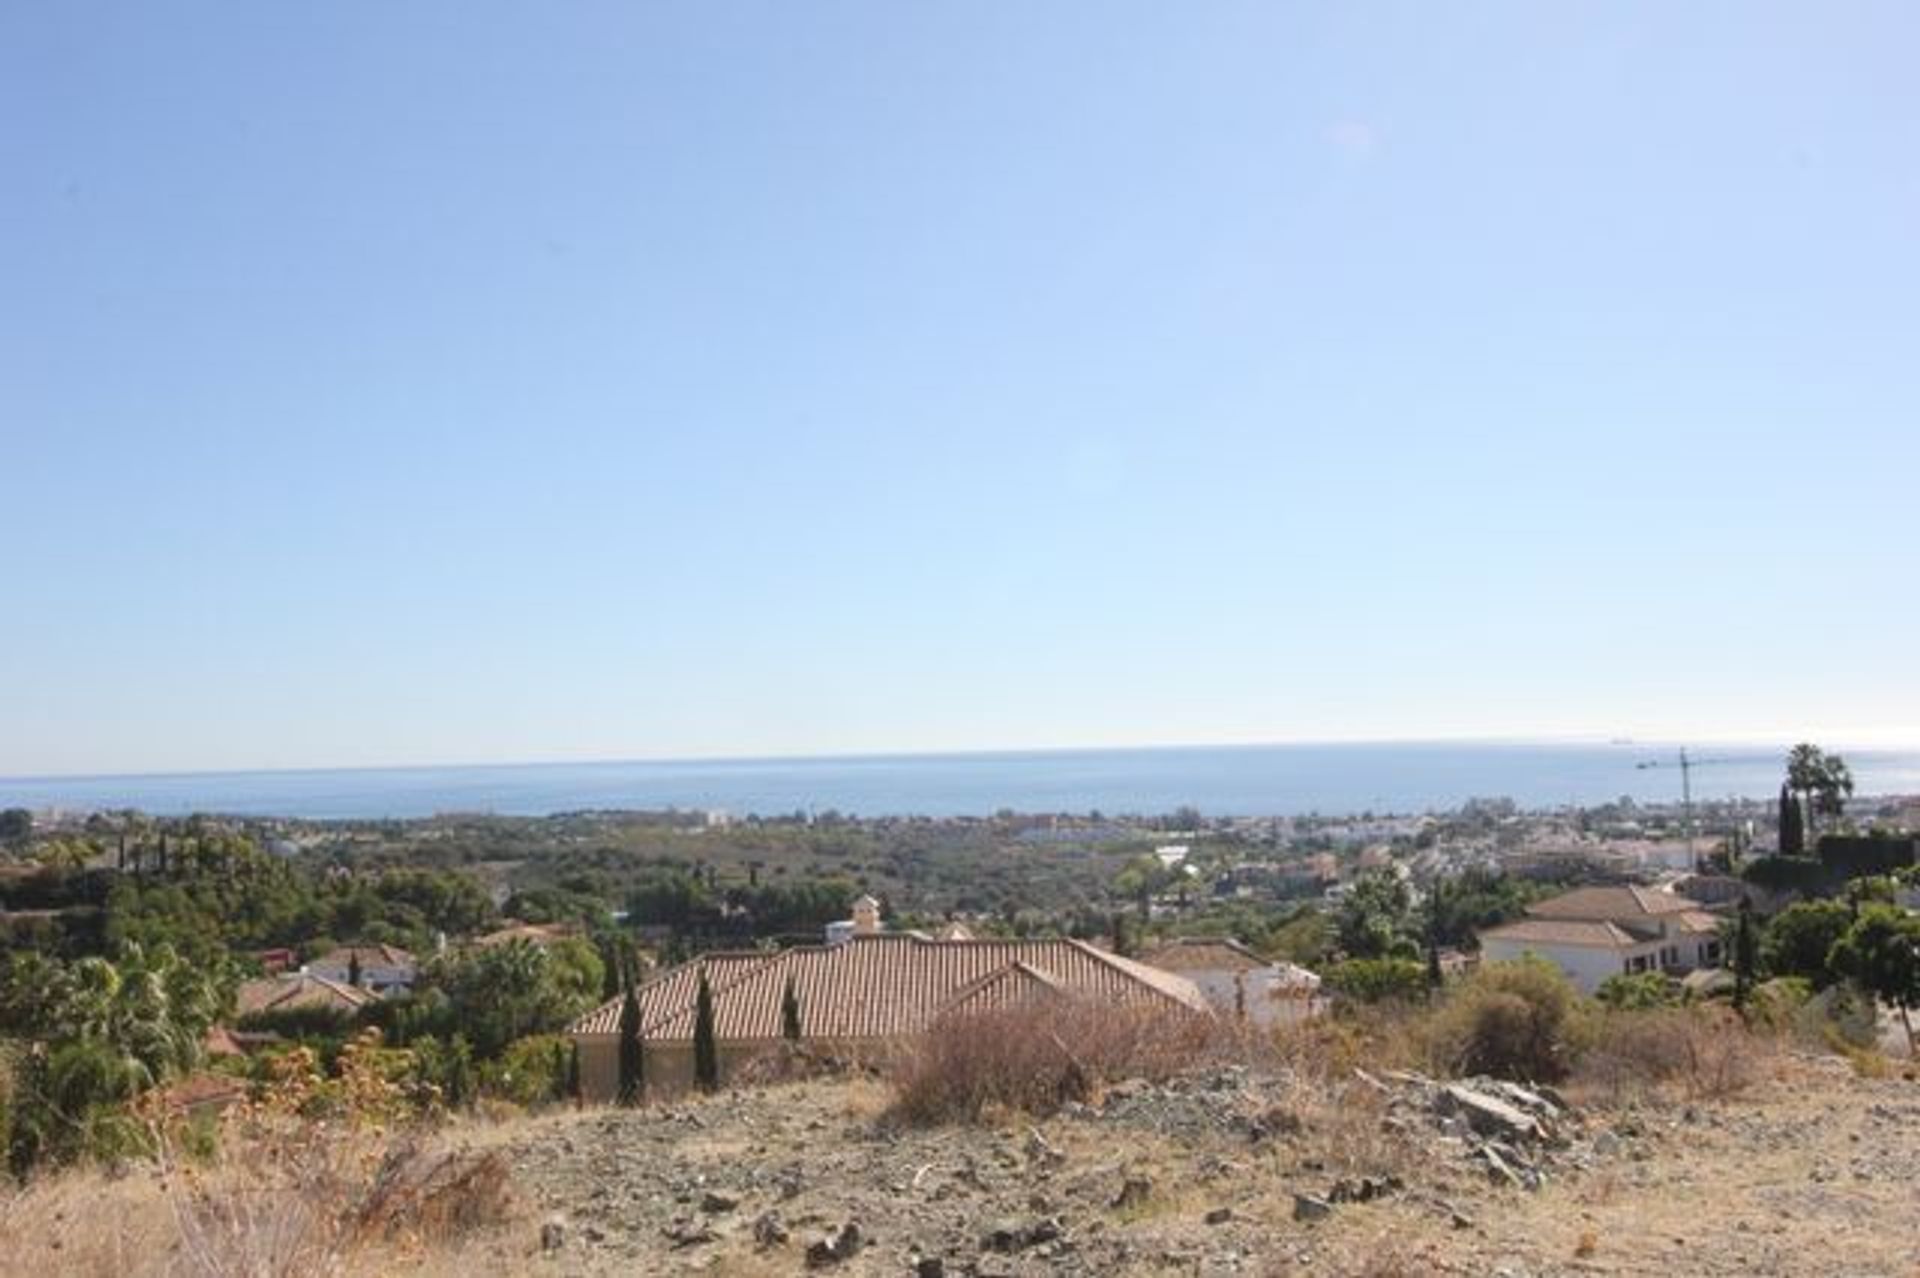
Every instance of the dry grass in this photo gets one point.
(1703, 1053)
(1036, 1058)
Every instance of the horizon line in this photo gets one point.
(856, 756)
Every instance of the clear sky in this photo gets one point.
(472, 381)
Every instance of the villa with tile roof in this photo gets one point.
(384, 969)
(861, 997)
(298, 991)
(1593, 933)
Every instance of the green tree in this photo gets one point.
(633, 1061)
(706, 1050)
(1881, 952)
(1376, 918)
(1823, 779)
(1798, 940)
(511, 991)
(1746, 956)
(16, 825)
(1793, 823)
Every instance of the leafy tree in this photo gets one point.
(1799, 939)
(633, 1079)
(1881, 952)
(706, 1051)
(16, 825)
(507, 992)
(1823, 779)
(1376, 918)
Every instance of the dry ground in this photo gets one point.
(1811, 1171)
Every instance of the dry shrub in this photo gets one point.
(1519, 1020)
(1038, 1057)
(1704, 1052)
(291, 1193)
(1327, 1049)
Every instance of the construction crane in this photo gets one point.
(1686, 763)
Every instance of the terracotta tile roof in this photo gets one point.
(1617, 903)
(1700, 922)
(298, 989)
(883, 986)
(1203, 953)
(1597, 933)
(369, 956)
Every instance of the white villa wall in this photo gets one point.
(1585, 965)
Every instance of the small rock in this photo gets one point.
(1219, 1215)
(769, 1230)
(1308, 1207)
(930, 1267)
(1133, 1193)
(553, 1234)
(1606, 1144)
(843, 1244)
(714, 1203)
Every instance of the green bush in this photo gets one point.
(1640, 992)
(1378, 980)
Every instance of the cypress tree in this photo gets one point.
(1746, 956)
(633, 1076)
(610, 970)
(1793, 824)
(790, 1013)
(570, 1076)
(706, 1051)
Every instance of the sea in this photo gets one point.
(1219, 781)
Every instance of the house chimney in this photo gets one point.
(866, 916)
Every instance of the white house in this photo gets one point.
(1238, 982)
(1596, 932)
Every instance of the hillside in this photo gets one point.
(1808, 1170)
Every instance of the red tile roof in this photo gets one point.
(298, 989)
(883, 986)
(1589, 932)
(1203, 953)
(1616, 903)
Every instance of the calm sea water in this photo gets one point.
(1219, 781)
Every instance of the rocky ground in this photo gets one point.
(1812, 1170)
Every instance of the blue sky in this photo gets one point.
(469, 382)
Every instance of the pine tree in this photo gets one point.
(790, 1013)
(353, 969)
(633, 1065)
(706, 1051)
